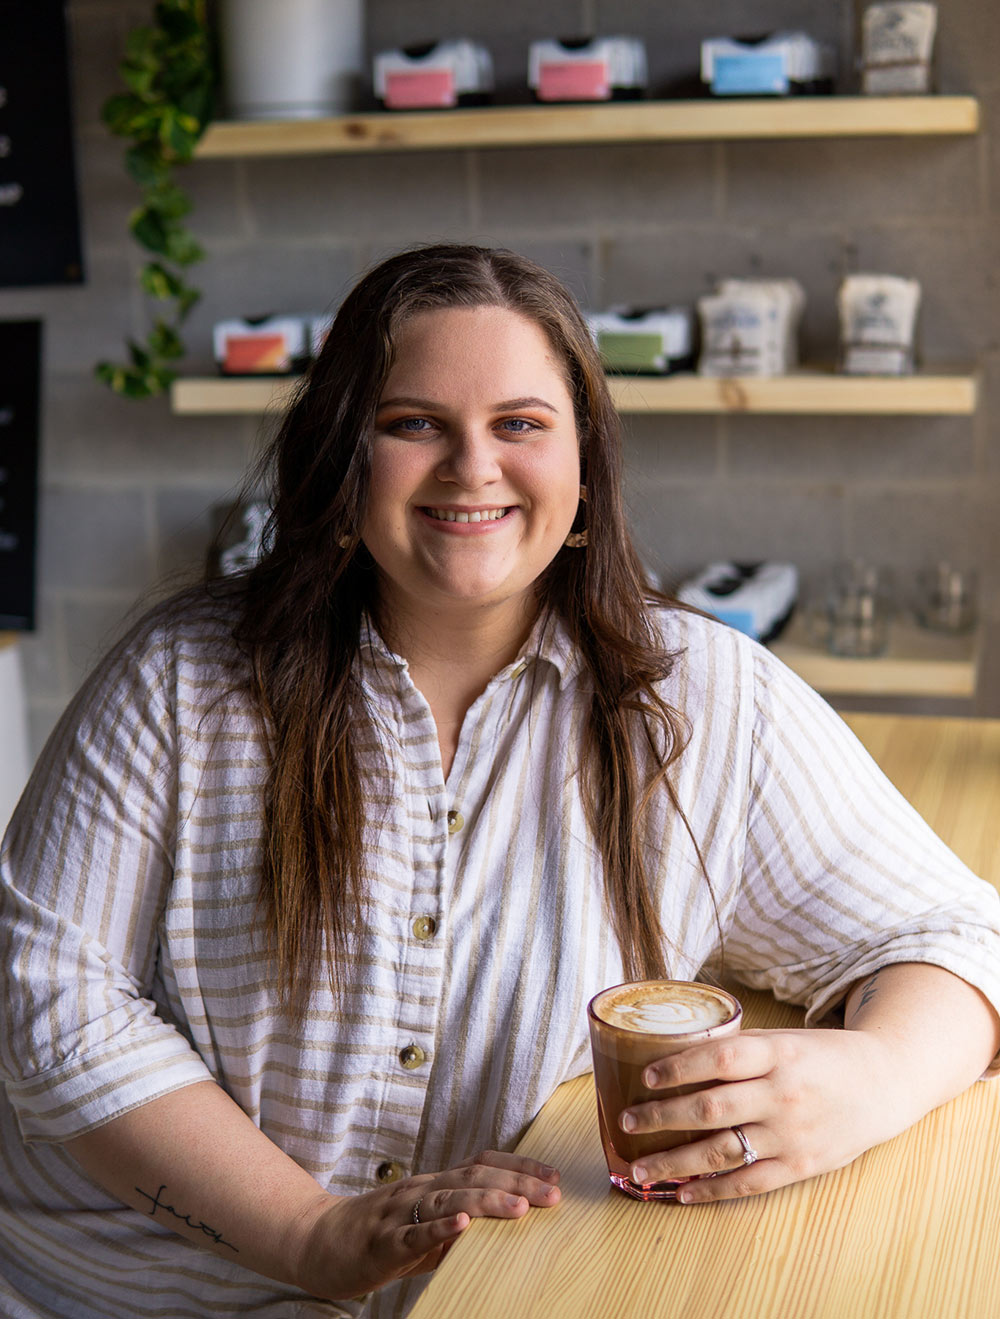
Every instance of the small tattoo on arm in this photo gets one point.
(157, 1203)
(868, 991)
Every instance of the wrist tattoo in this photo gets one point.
(157, 1203)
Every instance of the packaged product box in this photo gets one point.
(778, 64)
(655, 341)
(438, 75)
(755, 598)
(587, 69)
(261, 345)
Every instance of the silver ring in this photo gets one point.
(416, 1211)
(750, 1155)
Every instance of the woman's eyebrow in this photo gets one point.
(506, 405)
(511, 404)
(406, 402)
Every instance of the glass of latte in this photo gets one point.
(632, 1026)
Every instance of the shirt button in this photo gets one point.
(425, 927)
(455, 821)
(412, 1056)
(389, 1171)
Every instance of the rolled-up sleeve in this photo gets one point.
(85, 870)
(841, 875)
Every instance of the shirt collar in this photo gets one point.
(549, 641)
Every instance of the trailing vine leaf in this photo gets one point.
(170, 72)
(159, 282)
(145, 164)
(165, 340)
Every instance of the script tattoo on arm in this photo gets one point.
(157, 1203)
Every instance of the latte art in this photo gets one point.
(666, 1018)
(677, 1008)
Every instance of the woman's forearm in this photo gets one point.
(194, 1162)
(940, 1031)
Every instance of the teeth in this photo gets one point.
(450, 515)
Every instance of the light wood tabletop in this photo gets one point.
(911, 1230)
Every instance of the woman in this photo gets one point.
(311, 887)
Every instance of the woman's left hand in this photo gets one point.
(807, 1101)
(813, 1100)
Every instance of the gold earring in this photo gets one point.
(576, 540)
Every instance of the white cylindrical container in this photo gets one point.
(291, 59)
(14, 759)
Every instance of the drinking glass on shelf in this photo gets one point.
(946, 598)
(856, 607)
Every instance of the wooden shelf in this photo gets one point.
(225, 395)
(805, 392)
(642, 121)
(917, 663)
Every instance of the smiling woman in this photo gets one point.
(470, 499)
(473, 492)
(306, 898)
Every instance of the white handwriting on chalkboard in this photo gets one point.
(10, 194)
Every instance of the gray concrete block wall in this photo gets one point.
(128, 487)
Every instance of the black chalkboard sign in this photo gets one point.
(20, 374)
(39, 217)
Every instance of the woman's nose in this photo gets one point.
(469, 461)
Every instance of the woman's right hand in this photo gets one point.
(358, 1243)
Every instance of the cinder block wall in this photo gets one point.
(127, 487)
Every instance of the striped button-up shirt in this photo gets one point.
(133, 967)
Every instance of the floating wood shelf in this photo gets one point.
(643, 121)
(225, 395)
(917, 663)
(805, 392)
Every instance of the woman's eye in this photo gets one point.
(519, 426)
(410, 425)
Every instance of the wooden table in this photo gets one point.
(911, 1230)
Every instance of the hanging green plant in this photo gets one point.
(171, 75)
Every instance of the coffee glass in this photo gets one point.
(631, 1026)
(946, 598)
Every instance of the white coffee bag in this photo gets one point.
(897, 44)
(878, 321)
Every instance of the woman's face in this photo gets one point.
(475, 462)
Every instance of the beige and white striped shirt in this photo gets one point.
(131, 965)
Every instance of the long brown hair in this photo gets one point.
(304, 603)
